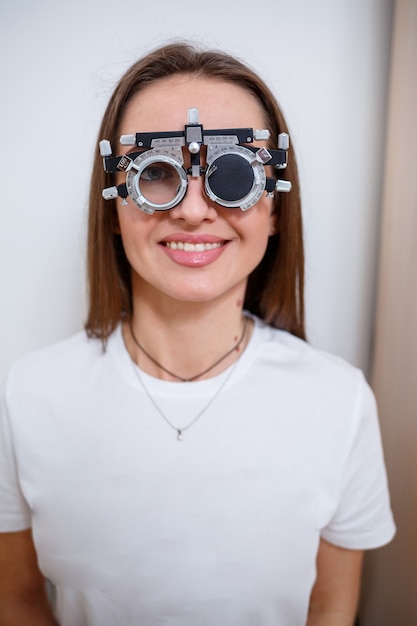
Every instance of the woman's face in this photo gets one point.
(198, 251)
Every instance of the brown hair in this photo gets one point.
(275, 288)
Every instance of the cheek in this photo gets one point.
(130, 226)
(255, 224)
(137, 229)
(254, 232)
(130, 217)
(262, 227)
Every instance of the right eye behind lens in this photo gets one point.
(159, 182)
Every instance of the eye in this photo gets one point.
(156, 172)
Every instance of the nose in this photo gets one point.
(195, 207)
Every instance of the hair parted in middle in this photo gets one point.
(275, 290)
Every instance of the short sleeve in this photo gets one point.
(363, 518)
(14, 510)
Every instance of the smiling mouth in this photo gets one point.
(192, 247)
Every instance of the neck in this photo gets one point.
(186, 338)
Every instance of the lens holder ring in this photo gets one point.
(215, 152)
(170, 156)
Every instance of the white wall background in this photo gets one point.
(327, 62)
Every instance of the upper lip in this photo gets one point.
(188, 238)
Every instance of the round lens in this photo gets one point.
(159, 182)
(230, 178)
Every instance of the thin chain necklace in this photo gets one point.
(180, 431)
(176, 376)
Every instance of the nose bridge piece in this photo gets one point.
(193, 140)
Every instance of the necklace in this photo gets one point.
(180, 431)
(189, 380)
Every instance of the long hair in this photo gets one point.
(275, 290)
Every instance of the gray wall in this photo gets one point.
(327, 61)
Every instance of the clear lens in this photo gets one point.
(159, 182)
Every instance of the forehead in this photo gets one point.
(163, 106)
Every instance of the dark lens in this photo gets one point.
(230, 177)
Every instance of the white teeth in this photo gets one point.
(192, 247)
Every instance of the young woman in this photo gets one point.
(190, 459)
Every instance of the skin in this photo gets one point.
(335, 595)
(184, 303)
(23, 599)
(190, 314)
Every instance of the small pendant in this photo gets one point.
(179, 434)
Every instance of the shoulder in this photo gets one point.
(64, 363)
(318, 386)
(60, 354)
(296, 356)
(317, 391)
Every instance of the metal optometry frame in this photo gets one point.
(235, 176)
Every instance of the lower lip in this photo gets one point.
(194, 259)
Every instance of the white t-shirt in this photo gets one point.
(135, 527)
